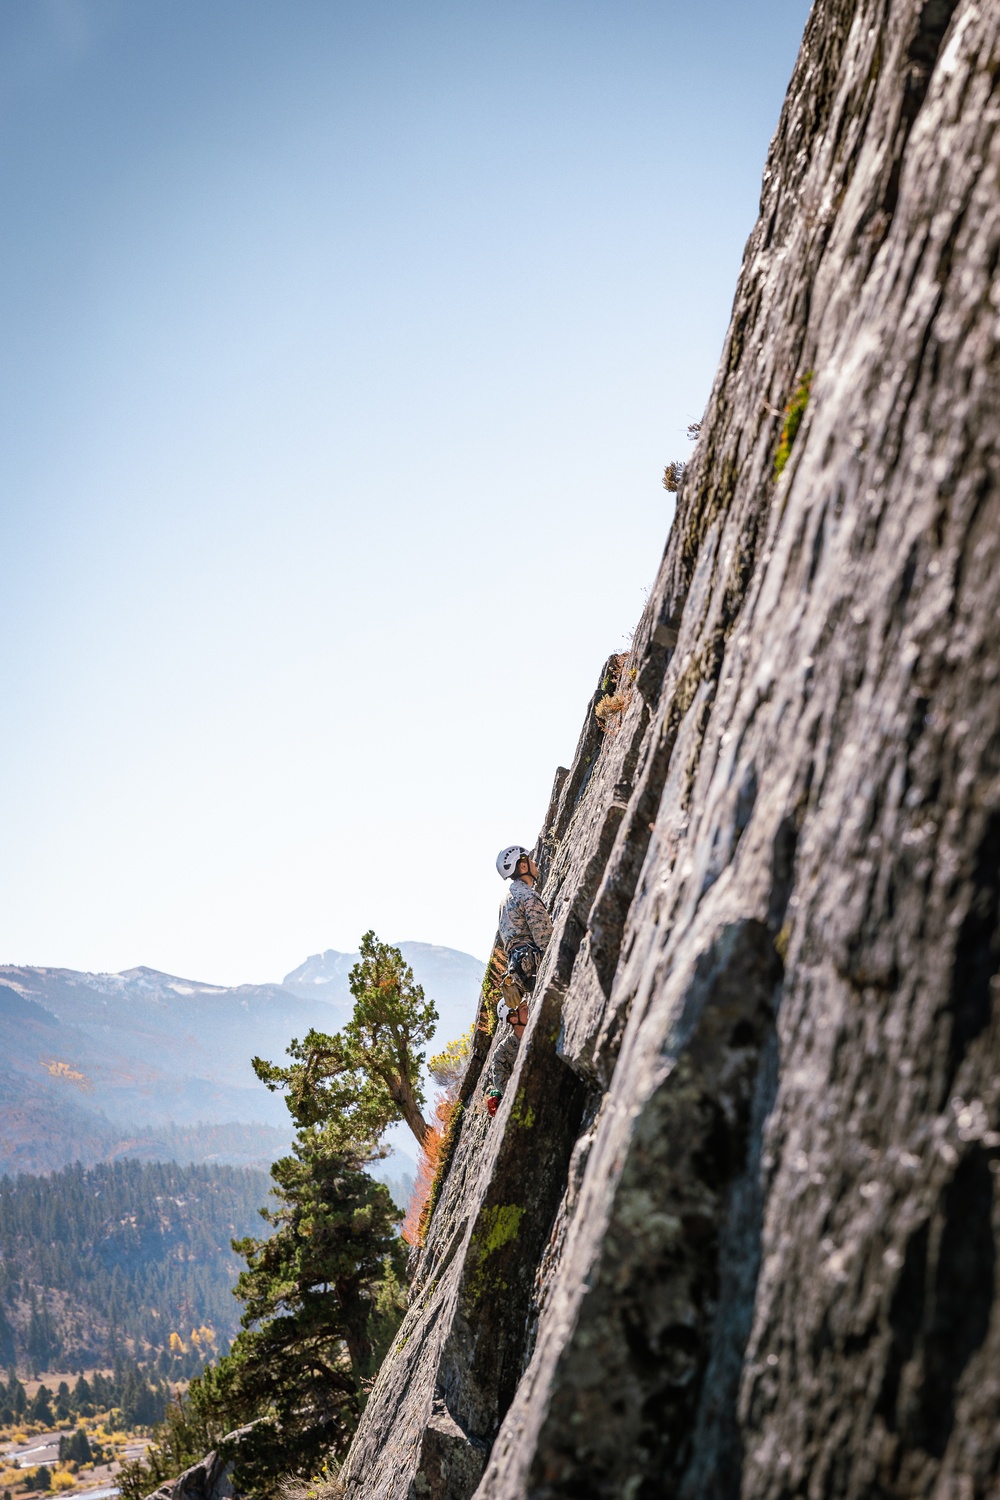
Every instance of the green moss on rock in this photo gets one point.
(794, 412)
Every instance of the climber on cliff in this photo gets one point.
(525, 929)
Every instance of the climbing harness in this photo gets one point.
(522, 962)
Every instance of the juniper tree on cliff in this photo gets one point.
(369, 1073)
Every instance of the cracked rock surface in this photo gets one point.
(733, 1231)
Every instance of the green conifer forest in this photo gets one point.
(123, 1261)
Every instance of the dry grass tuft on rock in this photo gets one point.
(325, 1486)
(617, 690)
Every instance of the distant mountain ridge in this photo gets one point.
(148, 1064)
(450, 978)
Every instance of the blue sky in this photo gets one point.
(344, 346)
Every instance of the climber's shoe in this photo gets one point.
(492, 1097)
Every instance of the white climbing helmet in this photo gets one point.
(507, 860)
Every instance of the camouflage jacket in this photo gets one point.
(523, 918)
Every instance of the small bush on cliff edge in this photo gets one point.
(322, 1486)
(617, 693)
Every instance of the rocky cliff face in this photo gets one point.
(733, 1231)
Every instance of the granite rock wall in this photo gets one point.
(733, 1231)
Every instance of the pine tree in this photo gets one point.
(312, 1295)
(335, 1231)
(62, 1402)
(40, 1409)
(391, 1024)
(363, 1078)
(323, 1294)
(322, 1299)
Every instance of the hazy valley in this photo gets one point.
(149, 1065)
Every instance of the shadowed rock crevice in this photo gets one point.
(678, 1247)
(977, 951)
(574, 782)
(939, 1319)
(606, 921)
(921, 53)
(484, 1356)
(715, 1466)
(906, 1314)
(958, 1318)
(451, 1463)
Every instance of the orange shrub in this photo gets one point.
(430, 1163)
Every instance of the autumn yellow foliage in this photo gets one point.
(65, 1070)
